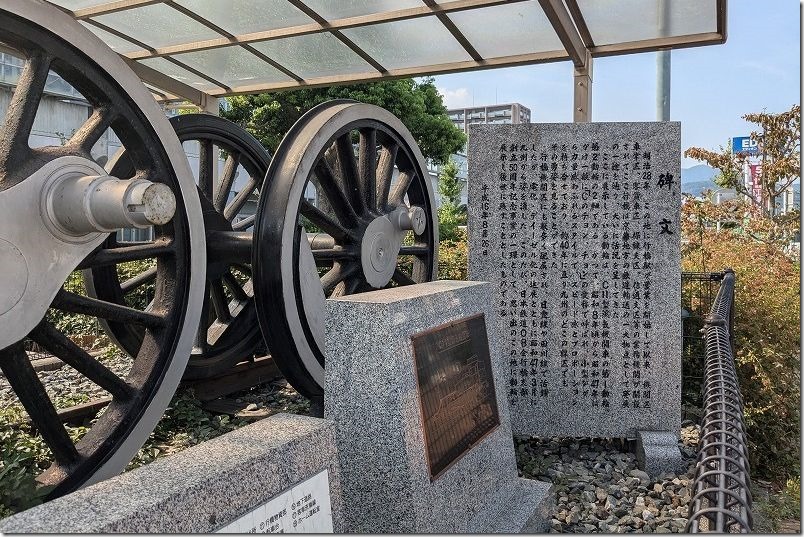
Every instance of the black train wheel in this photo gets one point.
(228, 332)
(52, 42)
(332, 224)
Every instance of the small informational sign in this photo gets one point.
(456, 389)
(303, 508)
(745, 145)
(755, 171)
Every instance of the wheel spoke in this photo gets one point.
(245, 223)
(231, 283)
(401, 187)
(201, 335)
(385, 174)
(367, 167)
(240, 199)
(123, 254)
(346, 287)
(422, 269)
(336, 198)
(139, 280)
(206, 167)
(416, 249)
(333, 254)
(220, 302)
(227, 181)
(46, 335)
(92, 129)
(23, 106)
(31, 393)
(338, 273)
(401, 278)
(348, 173)
(73, 303)
(323, 220)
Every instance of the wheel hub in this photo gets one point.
(382, 240)
(217, 265)
(71, 205)
(378, 251)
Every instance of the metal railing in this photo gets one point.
(721, 500)
(698, 291)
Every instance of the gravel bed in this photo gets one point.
(599, 488)
(66, 386)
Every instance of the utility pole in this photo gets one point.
(663, 67)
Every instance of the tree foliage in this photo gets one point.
(766, 329)
(268, 116)
(451, 214)
(779, 143)
(449, 186)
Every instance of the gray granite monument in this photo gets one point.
(577, 226)
(279, 474)
(416, 389)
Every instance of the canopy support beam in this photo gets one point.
(578, 51)
(160, 80)
(582, 90)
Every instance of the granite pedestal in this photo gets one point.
(372, 395)
(219, 485)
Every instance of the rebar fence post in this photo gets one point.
(721, 500)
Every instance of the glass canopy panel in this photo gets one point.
(247, 16)
(117, 44)
(341, 9)
(157, 25)
(637, 20)
(409, 43)
(314, 55)
(524, 26)
(75, 5)
(182, 75)
(233, 66)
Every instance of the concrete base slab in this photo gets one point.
(657, 453)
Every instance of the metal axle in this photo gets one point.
(80, 204)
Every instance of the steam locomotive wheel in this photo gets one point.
(57, 207)
(333, 224)
(228, 332)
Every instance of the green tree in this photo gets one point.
(449, 186)
(779, 142)
(451, 214)
(268, 116)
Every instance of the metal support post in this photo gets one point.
(582, 89)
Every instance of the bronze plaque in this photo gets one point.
(456, 389)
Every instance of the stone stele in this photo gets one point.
(372, 395)
(204, 488)
(577, 228)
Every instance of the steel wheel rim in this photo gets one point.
(277, 282)
(108, 446)
(238, 338)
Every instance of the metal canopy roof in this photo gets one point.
(198, 48)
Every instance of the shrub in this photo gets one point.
(452, 258)
(766, 328)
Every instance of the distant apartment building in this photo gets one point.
(511, 113)
(492, 114)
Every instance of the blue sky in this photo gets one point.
(757, 68)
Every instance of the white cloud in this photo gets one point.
(457, 98)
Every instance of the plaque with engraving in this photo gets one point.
(456, 389)
(303, 508)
